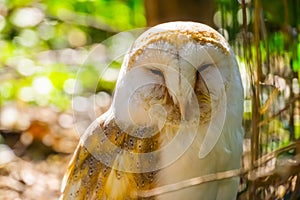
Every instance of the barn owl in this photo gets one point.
(176, 114)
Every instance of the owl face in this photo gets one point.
(173, 72)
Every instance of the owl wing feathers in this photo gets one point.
(84, 175)
(89, 178)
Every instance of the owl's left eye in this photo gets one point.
(203, 67)
(157, 72)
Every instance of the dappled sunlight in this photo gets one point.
(59, 65)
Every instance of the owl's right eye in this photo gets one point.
(157, 72)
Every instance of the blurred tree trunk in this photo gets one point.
(159, 11)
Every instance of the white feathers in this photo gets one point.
(178, 50)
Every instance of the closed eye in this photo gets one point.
(203, 67)
(157, 72)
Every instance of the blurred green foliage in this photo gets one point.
(267, 43)
(48, 48)
(44, 43)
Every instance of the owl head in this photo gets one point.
(179, 72)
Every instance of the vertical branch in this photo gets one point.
(256, 95)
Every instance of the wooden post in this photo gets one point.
(159, 11)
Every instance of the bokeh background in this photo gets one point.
(59, 61)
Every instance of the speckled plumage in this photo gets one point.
(164, 124)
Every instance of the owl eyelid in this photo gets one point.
(203, 67)
(156, 72)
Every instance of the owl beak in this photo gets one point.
(182, 106)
